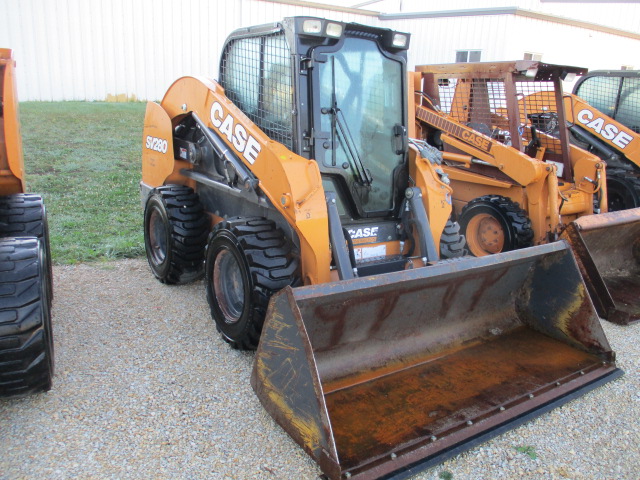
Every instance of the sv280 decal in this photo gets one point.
(156, 144)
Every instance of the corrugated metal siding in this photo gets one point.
(569, 45)
(624, 15)
(436, 40)
(126, 49)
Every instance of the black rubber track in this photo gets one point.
(518, 230)
(269, 265)
(623, 189)
(24, 215)
(452, 243)
(26, 340)
(186, 226)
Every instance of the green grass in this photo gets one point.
(527, 450)
(84, 159)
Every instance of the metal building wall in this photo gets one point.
(572, 45)
(621, 14)
(134, 49)
(436, 40)
(508, 37)
(126, 49)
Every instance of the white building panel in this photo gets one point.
(624, 15)
(571, 45)
(134, 49)
(436, 40)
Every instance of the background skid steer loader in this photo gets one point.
(517, 180)
(604, 113)
(509, 175)
(616, 144)
(609, 244)
(319, 214)
(26, 342)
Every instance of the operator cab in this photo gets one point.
(333, 92)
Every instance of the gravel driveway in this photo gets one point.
(145, 388)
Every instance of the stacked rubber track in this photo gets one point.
(26, 338)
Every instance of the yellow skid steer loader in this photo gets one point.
(517, 179)
(328, 245)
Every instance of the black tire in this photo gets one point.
(493, 224)
(623, 190)
(452, 243)
(26, 337)
(24, 215)
(247, 261)
(175, 234)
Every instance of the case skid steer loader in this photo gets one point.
(26, 343)
(322, 231)
(604, 117)
(517, 179)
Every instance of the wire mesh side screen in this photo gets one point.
(537, 106)
(482, 104)
(256, 76)
(617, 97)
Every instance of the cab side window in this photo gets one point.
(629, 106)
(601, 93)
(256, 75)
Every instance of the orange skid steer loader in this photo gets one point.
(26, 342)
(518, 181)
(323, 231)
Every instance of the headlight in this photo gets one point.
(312, 26)
(334, 30)
(400, 40)
(396, 40)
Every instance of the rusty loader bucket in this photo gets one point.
(382, 376)
(607, 247)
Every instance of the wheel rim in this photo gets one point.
(485, 235)
(157, 237)
(228, 286)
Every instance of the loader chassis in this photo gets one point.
(322, 225)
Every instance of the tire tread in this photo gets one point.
(272, 266)
(25, 343)
(516, 216)
(189, 228)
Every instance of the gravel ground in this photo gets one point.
(145, 388)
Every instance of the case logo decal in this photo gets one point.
(245, 144)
